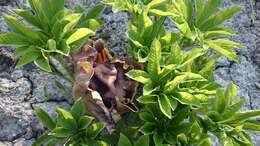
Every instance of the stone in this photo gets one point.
(23, 142)
(5, 143)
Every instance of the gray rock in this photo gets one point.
(23, 142)
(6, 144)
(14, 112)
(114, 33)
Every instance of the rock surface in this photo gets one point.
(21, 90)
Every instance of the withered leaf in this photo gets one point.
(101, 81)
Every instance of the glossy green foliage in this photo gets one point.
(54, 31)
(72, 128)
(168, 84)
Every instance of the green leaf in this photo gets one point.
(170, 38)
(182, 138)
(57, 29)
(95, 129)
(155, 3)
(185, 77)
(19, 28)
(242, 116)
(220, 103)
(43, 62)
(198, 7)
(21, 51)
(227, 44)
(158, 12)
(51, 45)
(147, 128)
(148, 88)
(167, 72)
(85, 121)
(181, 115)
(92, 24)
(118, 5)
(78, 109)
(148, 99)
(186, 98)
(79, 34)
(45, 119)
(217, 33)
(28, 16)
(147, 117)
(204, 141)
(165, 105)
(42, 139)
(183, 26)
(69, 28)
(145, 24)
(154, 58)
(94, 11)
(66, 120)
(226, 52)
(251, 125)
(158, 138)
(237, 106)
(175, 55)
(29, 57)
(191, 55)
(231, 93)
(14, 40)
(124, 141)
(61, 132)
(64, 47)
(139, 76)
(36, 6)
(143, 141)
(209, 9)
(173, 104)
(220, 17)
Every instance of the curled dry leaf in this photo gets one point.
(100, 80)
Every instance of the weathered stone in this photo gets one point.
(23, 142)
(6, 144)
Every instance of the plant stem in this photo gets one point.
(68, 70)
(57, 72)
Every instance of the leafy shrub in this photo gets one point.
(55, 32)
(74, 128)
(180, 103)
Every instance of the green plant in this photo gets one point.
(200, 24)
(72, 128)
(54, 32)
(142, 141)
(183, 105)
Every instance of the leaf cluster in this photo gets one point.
(53, 31)
(72, 128)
